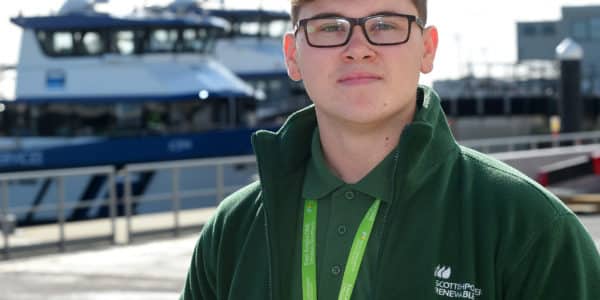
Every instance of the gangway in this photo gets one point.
(569, 169)
(571, 173)
(532, 142)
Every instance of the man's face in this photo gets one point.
(360, 83)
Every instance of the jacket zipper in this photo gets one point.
(386, 213)
(389, 207)
(269, 262)
(270, 280)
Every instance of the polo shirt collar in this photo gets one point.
(320, 181)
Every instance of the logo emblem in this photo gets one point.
(442, 272)
(453, 289)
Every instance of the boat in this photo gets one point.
(91, 88)
(88, 79)
(252, 50)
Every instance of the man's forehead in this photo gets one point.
(355, 8)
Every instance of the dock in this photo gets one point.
(149, 270)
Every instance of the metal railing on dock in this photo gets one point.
(62, 233)
(44, 234)
(533, 142)
(177, 194)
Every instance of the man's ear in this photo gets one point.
(289, 51)
(430, 44)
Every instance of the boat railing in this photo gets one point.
(176, 194)
(58, 234)
(120, 185)
(532, 142)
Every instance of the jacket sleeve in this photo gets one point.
(200, 283)
(561, 262)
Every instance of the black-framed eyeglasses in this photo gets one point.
(381, 29)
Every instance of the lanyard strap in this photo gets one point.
(309, 249)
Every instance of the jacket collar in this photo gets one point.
(423, 143)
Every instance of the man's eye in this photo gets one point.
(331, 28)
(381, 26)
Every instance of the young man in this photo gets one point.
(366, 195)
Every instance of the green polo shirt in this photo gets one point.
(341, 208)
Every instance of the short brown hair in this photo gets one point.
(420, 4)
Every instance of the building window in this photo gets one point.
(579, 30)
(548, 29)
(595, 28)
(529, 30)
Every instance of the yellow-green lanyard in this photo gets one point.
(309, 249)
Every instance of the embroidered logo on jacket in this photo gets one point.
(442, 272)
(446, 288)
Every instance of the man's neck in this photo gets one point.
(352, 151)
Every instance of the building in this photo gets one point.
(520, 98)
(538, 40)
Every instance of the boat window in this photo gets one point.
(93, 119)
(194, 39)
(123, 119)
(55, 120)
(155, 118)
(92, 43)
(62, 43)
(124, 42)
(162, 40)
(275, 28)
(14, 121)
(43, 40)
(278, 28)
(192, 116)
(128, 118)
(249, 28)
(71, 43)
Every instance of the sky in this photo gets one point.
(476, 31)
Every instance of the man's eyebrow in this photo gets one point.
(333, 15)
(387, 12)
(326, 15)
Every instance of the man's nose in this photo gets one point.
(358, 47)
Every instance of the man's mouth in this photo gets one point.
(359, 78)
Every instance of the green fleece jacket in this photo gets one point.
(462, 225)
